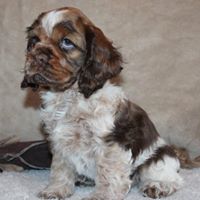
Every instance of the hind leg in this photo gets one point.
(161, 178)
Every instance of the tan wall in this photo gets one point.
(160, 41)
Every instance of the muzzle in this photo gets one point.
(33, 81)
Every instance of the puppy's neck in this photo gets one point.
(109, 92)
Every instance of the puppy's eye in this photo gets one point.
(32, 42)
(66, 44)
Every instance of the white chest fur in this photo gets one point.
(76, 125)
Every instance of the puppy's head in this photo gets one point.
(64, 47)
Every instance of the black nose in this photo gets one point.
(29, 82)
(24, 83)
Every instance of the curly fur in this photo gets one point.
(93, 128)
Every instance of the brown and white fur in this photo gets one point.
(93, 128)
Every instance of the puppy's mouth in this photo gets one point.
(33, 81)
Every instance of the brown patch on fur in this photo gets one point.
(72, 31)
(32, 100)
(103, 61)
(154, 193)
(133, 129)
(150, 192)
(159, 154)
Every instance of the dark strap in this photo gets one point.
(29, 155)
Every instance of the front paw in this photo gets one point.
(56, 192)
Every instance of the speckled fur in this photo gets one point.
(93, 128)
(77, 127)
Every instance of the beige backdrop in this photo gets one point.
(160, 42)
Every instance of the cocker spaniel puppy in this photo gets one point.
(93, 128)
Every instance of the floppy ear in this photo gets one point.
(103, 61)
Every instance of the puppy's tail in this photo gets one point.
(185, 159)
